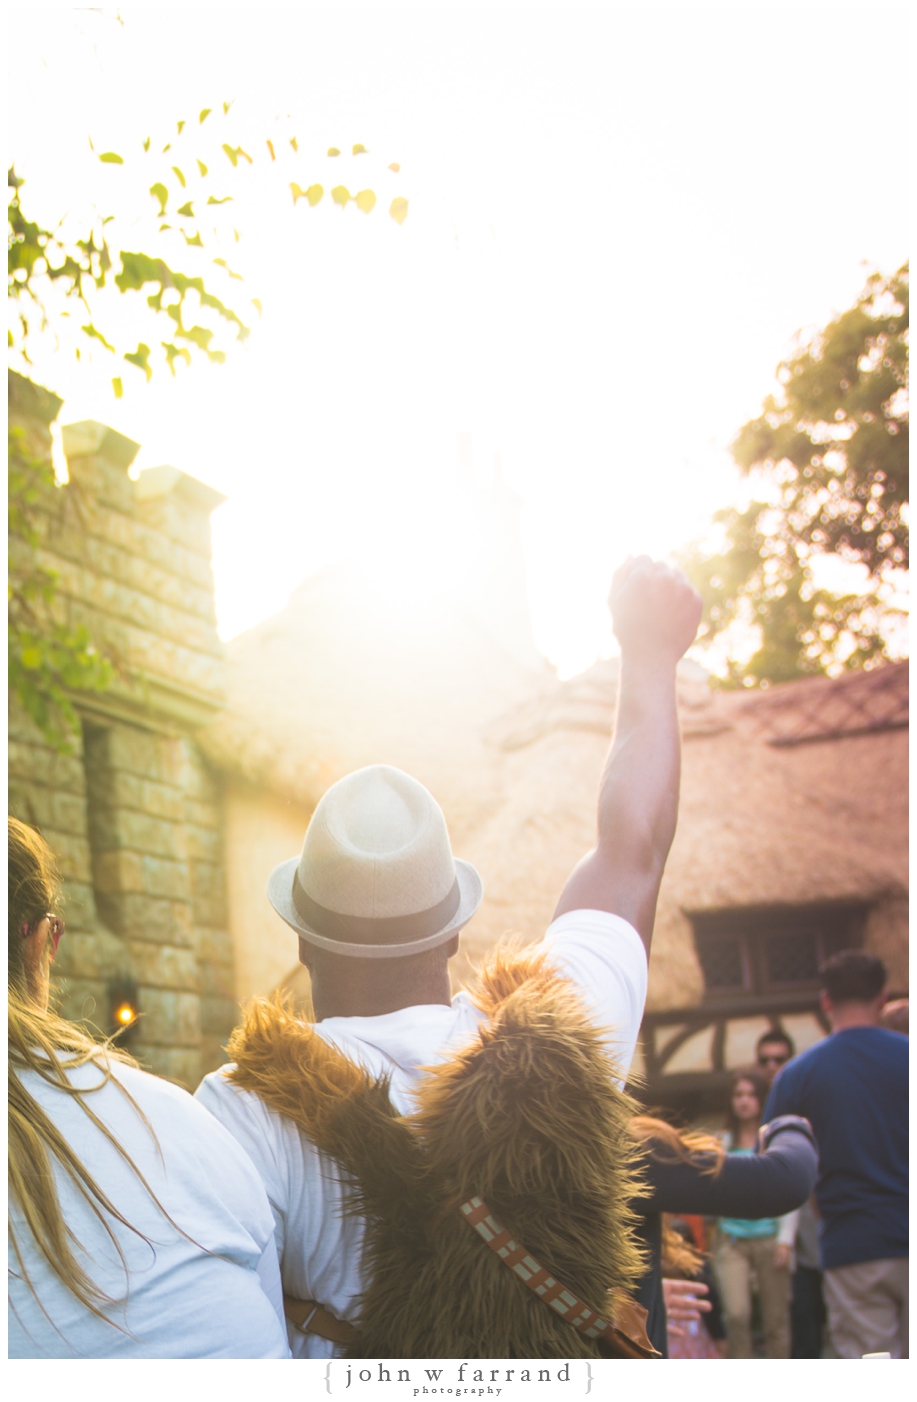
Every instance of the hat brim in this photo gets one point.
(280, 895)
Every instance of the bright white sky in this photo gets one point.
(618, 219)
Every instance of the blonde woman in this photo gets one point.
(137, 1227)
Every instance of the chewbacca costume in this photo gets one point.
(527, 1120)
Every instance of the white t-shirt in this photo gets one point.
(215, 1296)
(319, 1247)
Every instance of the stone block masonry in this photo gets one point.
(133, 813)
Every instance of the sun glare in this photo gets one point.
(576, 285)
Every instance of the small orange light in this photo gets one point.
(125, 1014)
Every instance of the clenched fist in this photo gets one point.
(655, 612)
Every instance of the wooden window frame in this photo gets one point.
(837, 925)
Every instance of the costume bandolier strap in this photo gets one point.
(528, 1116)
(563, 1301)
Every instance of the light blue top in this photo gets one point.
(748, 1228)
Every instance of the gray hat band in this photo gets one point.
(382, 930)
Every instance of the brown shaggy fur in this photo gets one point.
(527, 1116)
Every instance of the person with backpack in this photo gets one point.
(453, 1177)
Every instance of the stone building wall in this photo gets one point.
(133, 813)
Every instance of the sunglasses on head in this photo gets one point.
(56, 930)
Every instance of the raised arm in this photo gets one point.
(655, 613)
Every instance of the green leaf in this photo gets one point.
(211, 199)
(360, 149)
(141, 358)
(112, 158)
(118, 387)
(196, 242)
(186, 211)
(205, 113)
(341, 195)
(366, 200)
(398, 209)
(201, 167)
(232, 154)
(90, 330)
(333, 151)
(160, 193)
(226, 107)
(294, 143)
(199, 335)
(181, 179)
(174, 353)
(179, 125)
(30, 657)
(146, 144)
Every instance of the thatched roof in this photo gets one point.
(791, 795)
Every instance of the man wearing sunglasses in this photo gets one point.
(773, 1051)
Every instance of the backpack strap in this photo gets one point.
(629, 1342)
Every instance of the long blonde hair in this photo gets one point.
(41, 1042)
(670, 1145)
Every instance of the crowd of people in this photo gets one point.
(830, 1278)
(335, 1188)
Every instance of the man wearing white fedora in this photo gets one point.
(378, 901)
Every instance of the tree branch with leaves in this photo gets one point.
(87, 284)
(180, 201)
(828, 456)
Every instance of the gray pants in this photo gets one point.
(867, 1308)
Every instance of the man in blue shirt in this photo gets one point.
(853, 1088)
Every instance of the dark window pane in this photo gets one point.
(792, 958)
(834, 941)
(721, 960)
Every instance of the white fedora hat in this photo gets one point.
(376, 878)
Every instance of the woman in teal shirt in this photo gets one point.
(755, 1246)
